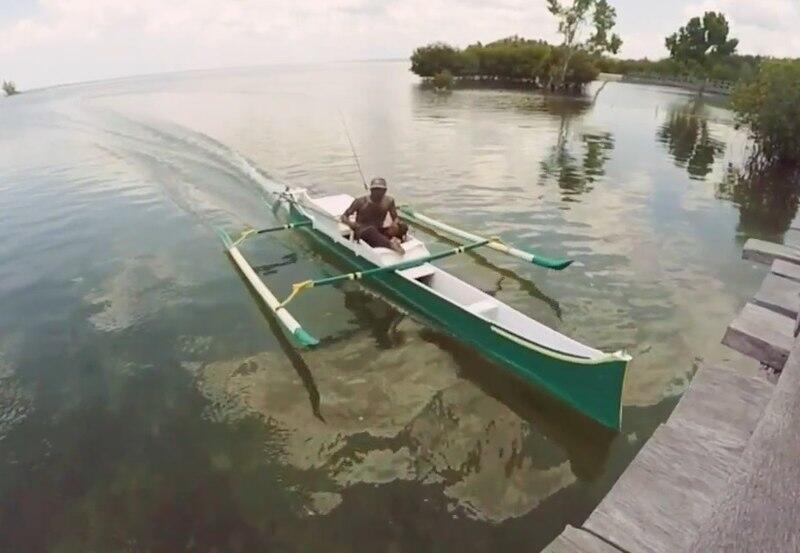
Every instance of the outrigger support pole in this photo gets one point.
(250, 232)
(299, 287)
(300, 335)
(285, 227)
(496, 244)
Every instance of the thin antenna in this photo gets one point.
(353, 150)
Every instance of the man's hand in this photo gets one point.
(350, 223)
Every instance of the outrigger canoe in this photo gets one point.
(585, 378)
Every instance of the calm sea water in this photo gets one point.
(147, 402)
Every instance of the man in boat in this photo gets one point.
(370, 212)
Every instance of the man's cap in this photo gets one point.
(377, 182)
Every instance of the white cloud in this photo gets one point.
(72, 40)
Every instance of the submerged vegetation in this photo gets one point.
(10, 88)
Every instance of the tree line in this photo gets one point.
(9, 88)
(513, 58)
(569, 65)
(702, 49)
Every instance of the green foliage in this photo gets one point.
(769, 106)
(582, 69)
(732, 68)
(510, 58)
(702, 41)
(513, 58)
(443, 80)
(10, 88)
(572, 18)
(427, 61)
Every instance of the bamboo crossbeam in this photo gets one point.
(495, 244)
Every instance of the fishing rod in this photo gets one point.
(353, 150)
(317, 99)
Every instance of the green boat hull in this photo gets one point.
(592, 388)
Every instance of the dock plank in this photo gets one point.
(779, 294)
(723, 403)
(575, 540)
(666, 493)
(786, 270)
(760, 508)
(762, 334)
(765, 252)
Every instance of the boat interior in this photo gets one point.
(447, 286)
(334, 206)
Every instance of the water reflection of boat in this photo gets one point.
(270, 268)
(299, 365)
(586, 444)
(380, 318)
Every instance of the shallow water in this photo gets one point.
(147, 402)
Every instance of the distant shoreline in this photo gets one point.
(122, 78)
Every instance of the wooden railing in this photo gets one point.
(682, 81)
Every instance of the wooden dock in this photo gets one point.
(767, 252)
(707, 86)
(786, 269)
(762, 334)
(779, 294)
(721, 474)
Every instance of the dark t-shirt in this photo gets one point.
(372, 214)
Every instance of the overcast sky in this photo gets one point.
(45, 42)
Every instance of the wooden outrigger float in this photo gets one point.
(585, 378)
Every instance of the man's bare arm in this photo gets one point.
(345, 218)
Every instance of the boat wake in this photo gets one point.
(202, 176)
